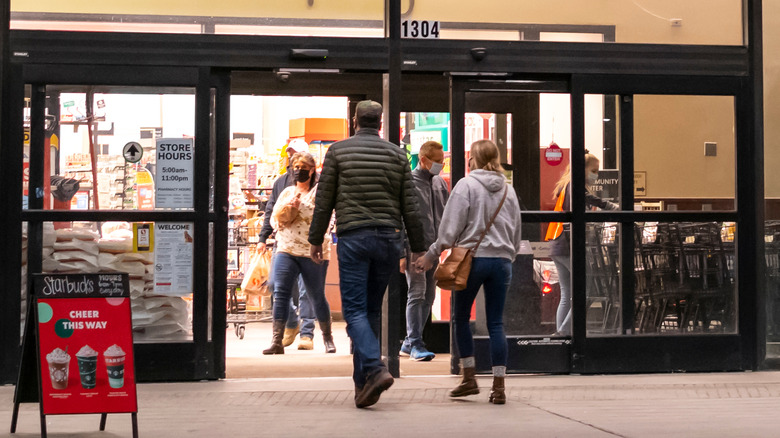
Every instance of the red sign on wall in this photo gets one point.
(85, 344)
(553, 155)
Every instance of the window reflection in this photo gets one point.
(685, 277)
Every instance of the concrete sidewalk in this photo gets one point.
(675, 405)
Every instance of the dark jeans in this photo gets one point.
(305, 307)
(494, 274)
(367, 259)
(288, 268)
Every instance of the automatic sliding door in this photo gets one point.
(524, 125)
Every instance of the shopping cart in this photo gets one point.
(242, 310)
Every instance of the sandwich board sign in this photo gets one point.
(77, 352)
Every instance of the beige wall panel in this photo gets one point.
(326, 9)
(772, 97)
(635, 21)
(669, 136)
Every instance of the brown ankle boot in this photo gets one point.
(276, 341)
(497, 393)
(468, 385)
(327, 337)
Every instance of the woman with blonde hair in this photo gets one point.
(560, 246)
(292, 215)
(482, 196)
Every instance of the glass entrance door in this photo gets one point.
(121, 175)
(653, 267)
(530, 122)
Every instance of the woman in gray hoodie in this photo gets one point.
(472, 203)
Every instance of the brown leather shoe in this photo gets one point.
(497, 393)
(468, 385)
(375, 386)
(306, 343)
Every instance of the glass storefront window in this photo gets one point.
(602, 287)
(160, 273)
(716, 22)
(602, 142)
(351, 18)
(129, 150)
(684, 152)
(495, 127)
(685, 278)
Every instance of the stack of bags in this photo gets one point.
(72, 251)
(154, 316)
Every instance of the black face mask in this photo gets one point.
(301, 177)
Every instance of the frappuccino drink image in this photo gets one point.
(59, 362)
(115, 366)
(87, 359)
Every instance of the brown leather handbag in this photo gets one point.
(453, 272)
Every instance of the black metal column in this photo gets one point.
(221, 191)
(11, 132)
(391, 311)
(750, 196)
(577, 193)
(200, 280)
(627, 281)
(458, 171)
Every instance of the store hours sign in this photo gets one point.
(174, 177)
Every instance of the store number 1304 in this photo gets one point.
(420, 29)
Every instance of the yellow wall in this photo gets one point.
(703, 21)
(325, 9)
(642, 21)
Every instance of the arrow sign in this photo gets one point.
(133, 151)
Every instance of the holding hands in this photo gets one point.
(421, 263)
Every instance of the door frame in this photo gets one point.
(653, 353)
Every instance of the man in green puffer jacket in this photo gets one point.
(367, 180)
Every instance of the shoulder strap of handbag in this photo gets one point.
(490, 224)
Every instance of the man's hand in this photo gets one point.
(261, 248)
(402, 264)
(316, 253)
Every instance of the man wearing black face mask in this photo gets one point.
(432, 194)
(295, 325)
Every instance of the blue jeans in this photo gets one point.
(288, 268)
(367, 259)
(494, 274)
(306, 309)
(563, 315)
(422, 292)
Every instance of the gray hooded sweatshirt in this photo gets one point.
(468, 211)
